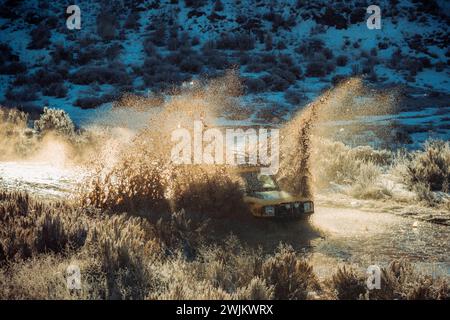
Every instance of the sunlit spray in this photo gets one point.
(236, 147)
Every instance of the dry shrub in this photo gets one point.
(40, 37)
(348, 284)
(430, 166)
(194, 291)
(11, 118)
(366, 184)
(106, 25)
(231, 271)
(400, 281)
(45, 277)
(255, 85)
(229, 268)
(53, 132)
(291, 276)
(121, 241)
(333, 162)
(124, 246)
(122, 259)
(39, 278)
(316, 69)
(368, 154)
(29, 227)
(55, 120)
(113, 251)
(219, 271)
(181, 232)
(101, 75)
(257, 289)
(60, 230)
(424, 194)
(358, 168)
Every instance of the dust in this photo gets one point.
(348, 100)
(126, 151)
(142, 179)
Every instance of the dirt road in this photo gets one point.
(335, 235)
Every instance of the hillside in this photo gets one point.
(286, 53)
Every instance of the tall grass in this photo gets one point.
(30, 227)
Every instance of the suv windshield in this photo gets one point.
(256, 182)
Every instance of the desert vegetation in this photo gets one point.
(140, 227)
(366, 173)
(22, 138)
(126, 257)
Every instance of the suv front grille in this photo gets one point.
(287, 209)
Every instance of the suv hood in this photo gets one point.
(271, 195)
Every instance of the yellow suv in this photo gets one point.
(266, 200)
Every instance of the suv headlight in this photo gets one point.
(269, 211)
(307, 207)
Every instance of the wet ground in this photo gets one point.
(39, 178)
(367, 238)
(362, 238)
